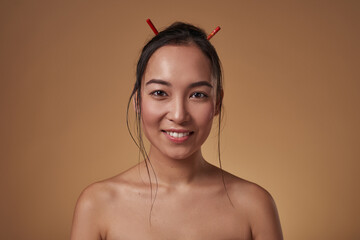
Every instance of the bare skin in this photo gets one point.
(183, 196)
(119, 208)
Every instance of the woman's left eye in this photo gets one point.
(198, 95)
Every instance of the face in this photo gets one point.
(178, 101)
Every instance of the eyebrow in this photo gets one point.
(158, 81)
(192, 85)
(201, 83)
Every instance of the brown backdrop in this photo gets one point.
(291, 99)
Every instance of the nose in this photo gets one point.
(178, 112)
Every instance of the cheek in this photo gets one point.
(205, 115)
(150, 114)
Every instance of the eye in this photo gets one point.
(199, 95)
(158, 93)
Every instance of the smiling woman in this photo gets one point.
(181, 106)
(174, 193)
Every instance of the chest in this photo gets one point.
(175, 219)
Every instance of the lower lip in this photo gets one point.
(177, 140)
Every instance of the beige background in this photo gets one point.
(291, 98)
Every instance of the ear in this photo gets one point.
(219, 102)
(135, 101)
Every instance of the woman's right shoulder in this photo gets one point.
(104, 191)
(95, 194)
(94, 205)
(93, 198)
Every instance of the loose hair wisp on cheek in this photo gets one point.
(178, 33)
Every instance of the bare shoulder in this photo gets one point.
(101, 194)
(94, 206)
(87, 220)
(258, 205)
(96, 195)
(246, 192)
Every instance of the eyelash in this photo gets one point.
(203, 95)
(160, 93)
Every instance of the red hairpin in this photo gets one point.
(156, 31)
(213, 33)
(152, 26)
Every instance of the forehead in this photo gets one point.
(174, 62)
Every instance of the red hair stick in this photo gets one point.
(213, 33)
(152, 26)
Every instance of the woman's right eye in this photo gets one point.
(158, 93)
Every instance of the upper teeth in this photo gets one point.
(178, 135)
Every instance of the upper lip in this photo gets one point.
(177, 130)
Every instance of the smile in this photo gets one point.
(178, 135)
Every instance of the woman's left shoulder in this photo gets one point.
(248, 192)
(258, 204)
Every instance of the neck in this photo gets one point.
(169, 172)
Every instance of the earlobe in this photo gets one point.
(219, 102)
(136, 103)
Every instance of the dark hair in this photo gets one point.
(178, 33)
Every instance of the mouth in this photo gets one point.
(178, 136)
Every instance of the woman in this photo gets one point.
(174, 193)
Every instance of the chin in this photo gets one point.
(180, 155)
